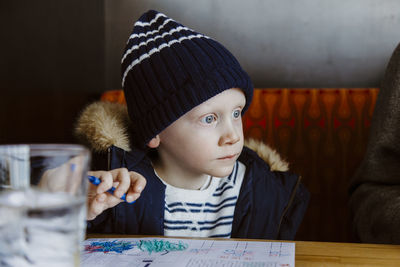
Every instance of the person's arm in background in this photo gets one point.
(375, 188)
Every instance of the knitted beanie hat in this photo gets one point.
(168, 69)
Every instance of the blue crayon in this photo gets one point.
(96, 181)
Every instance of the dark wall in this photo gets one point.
(290, 43)
(52, 64)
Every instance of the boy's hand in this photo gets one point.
(131, 183)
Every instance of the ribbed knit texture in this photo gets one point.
(168, 69)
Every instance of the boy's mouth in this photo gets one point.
(228, 157)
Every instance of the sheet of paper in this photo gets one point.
(153, 252)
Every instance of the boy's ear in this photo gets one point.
(155, 142)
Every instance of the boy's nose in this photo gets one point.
(230, 135)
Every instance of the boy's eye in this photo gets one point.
(208, 119)
(236, 113)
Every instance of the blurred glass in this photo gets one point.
(42, 204)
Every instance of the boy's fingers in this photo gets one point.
(132, 197)
(138, 182)
(106, 182)
(97, 206)
(92, 190)
(122, 176)
(101, 198)
(100, 203)
(106, 179)
(124, 182)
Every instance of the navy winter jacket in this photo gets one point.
(271, 204)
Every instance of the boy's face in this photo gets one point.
(208, 139)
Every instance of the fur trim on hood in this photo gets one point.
(103, 124)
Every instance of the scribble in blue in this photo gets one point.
(109, 246)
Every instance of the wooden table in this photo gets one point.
(326, 253)
(346, 254)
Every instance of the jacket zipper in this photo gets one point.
(109, 158)
(289, 203)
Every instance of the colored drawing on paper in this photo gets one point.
(161, 246)
(185, 252)
(109, 246)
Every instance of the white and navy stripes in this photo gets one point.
(155, 50)
(158, 34)
(207, 212)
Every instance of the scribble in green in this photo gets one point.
(161, 246)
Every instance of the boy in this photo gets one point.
(185, 97)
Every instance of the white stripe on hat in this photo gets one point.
(158, 49)
(139, 23)
(135, 35)
(130, 50)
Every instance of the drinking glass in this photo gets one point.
(42, 204)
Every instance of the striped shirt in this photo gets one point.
(207, 212)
